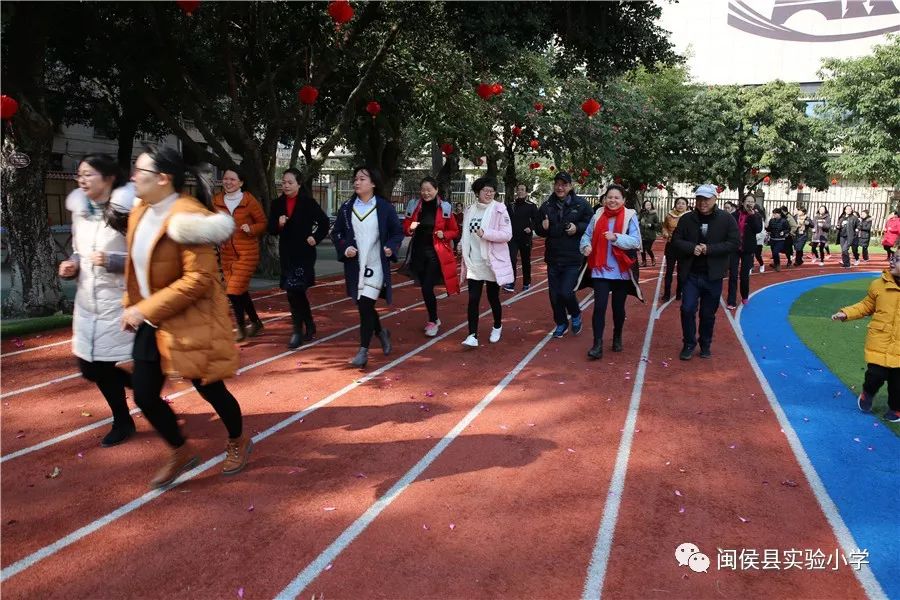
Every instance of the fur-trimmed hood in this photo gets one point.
(200, 228)
(122, 199)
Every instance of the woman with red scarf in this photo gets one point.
(610, 244)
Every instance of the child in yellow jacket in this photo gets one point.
(883, 339)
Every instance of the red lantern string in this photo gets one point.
(585, 173)
(447, 148)
(188, 7)
(341, 12)
(874, 184)
(539, 106)
(373, 108)
(496, 89)
(308, 94)
(534, 144)
(767, 180)
(516, 130)
(8, 107)
(484, 91)
(590, 107)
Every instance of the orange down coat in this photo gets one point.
(240, 253)
(187, 302)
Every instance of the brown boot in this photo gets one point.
(237, 452)
(241, 334)
(181, 460)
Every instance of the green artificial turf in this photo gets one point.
(19, 327)
(838, 345)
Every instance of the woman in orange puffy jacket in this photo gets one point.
(240, 253)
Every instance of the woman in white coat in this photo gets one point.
(100, 207)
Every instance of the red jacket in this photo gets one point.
(442, 247)
(891, 231)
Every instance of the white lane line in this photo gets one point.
(80, 533)
(593, 585)
(321, 562)
(38, 386)
(844, 537)
(85, 429)
(17, 352)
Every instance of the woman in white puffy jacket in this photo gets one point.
(100, 207)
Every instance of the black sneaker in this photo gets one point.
(705, 352)
(118, 434)
(687, 352)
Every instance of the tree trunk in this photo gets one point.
(35, 289)
(127, 131)
(509, 175)
(446, 174)
(492, 168)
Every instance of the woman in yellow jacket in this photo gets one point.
(175, 302)
(240, 253)
(882, 340)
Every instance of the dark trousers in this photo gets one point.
(889, 250)
(788, 248)
(777, 248)
(799, 243)
(699, 290)
(561, 280)
(845, 252)
(647, 248)
(865, 250)
(111, 381)
(242, 304)
(493, 294)
(818, 249)
(148, 382)
(671, 262)
(759, 256)
(602, 290)
(740, 267)
(301, 311)
(369, 321)
(516, 248)
(429, 278)
(876, 376)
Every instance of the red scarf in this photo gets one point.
(600, 245)
(290, 202)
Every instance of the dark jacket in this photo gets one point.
(804, 227)
(523, 214)
(847, 227)
(864, 227)
(649, 225)
(752, 226)
(308, 219)
(779, 228)
(562, 248)
(821, 227)
(721, 241)
(390, 231)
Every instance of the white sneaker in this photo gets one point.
(471, 341)
(762, 268)
(821, 263)
(431, 328)
(495, 334)
(856, 263)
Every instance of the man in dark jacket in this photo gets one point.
(563, 219)
(524, 215)
(703, 241)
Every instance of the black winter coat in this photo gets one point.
(752, 226)
(721, 242)
(865, 230)
(562, 248)
(308, 219)
(847, 227)
(523, 214)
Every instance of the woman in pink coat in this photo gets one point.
(486, 263)
(891, 233)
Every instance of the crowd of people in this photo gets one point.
(183, 259)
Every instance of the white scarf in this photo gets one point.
(233, 199)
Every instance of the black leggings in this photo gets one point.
(602, 290)
(493, 294)
(242, 304)
(889, 250)
(671, 261)
(647, 248)
(818, 249)
(428, 278)
(148, 381)
(111, 381)
(369, 322)
(301, 311)
(759, 256)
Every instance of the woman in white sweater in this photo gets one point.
(100, 207)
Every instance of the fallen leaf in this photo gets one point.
(55, 473)
(85, 413)
(789, 483)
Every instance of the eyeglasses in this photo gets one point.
(488, 191)
(147, 170)
(81, 176)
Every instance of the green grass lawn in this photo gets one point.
(838, 345)
(20, 327)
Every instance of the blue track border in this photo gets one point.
(863, 484)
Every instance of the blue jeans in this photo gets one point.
(561, 280)
(699, 290)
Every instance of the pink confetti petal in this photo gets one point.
(569, 450)
(678, 493)
(668, 463)
(329, 508)
(856, 439)
(743, 520)
(240, 592)
(681, 511)
(360, 476)
(429, 394)
(328, 567)
(452, 526)
(733, 446)
(425, 527)
(250, 508)
(20, 435)
(531, 424)
(504, 427)
(81, 455)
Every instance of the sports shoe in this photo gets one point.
(576, 325)
(705, 352)
(254, 328)
(731, 307)
(471, 341)
(856, 263)
(526, 287)
(560, 330)
(687, 352)
(509, 288)
(180, 460)
(864, 402)
(237, 452)
(762, 268)
(745, 302)
(892, 416)
(431, 328)
(495, 334)
(821, 263)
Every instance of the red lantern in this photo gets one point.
(719, 189)
(874, 184)
(539, 106)
(585, 173)
(800, 186)
(754, 171)
(534, 165)
(590, 107)
(340, 10)
(308, 94)
(8, 107)
(767, 180)
(373, 108)
(478, 162)
(534, 144)
(188, 7)
(447, 148)
(581, 181)
(834, 181)
(496, 89)
(618, 180)
(643, 187)
(484, 91)
(516, 130)
(600, 168)
(660, 186)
